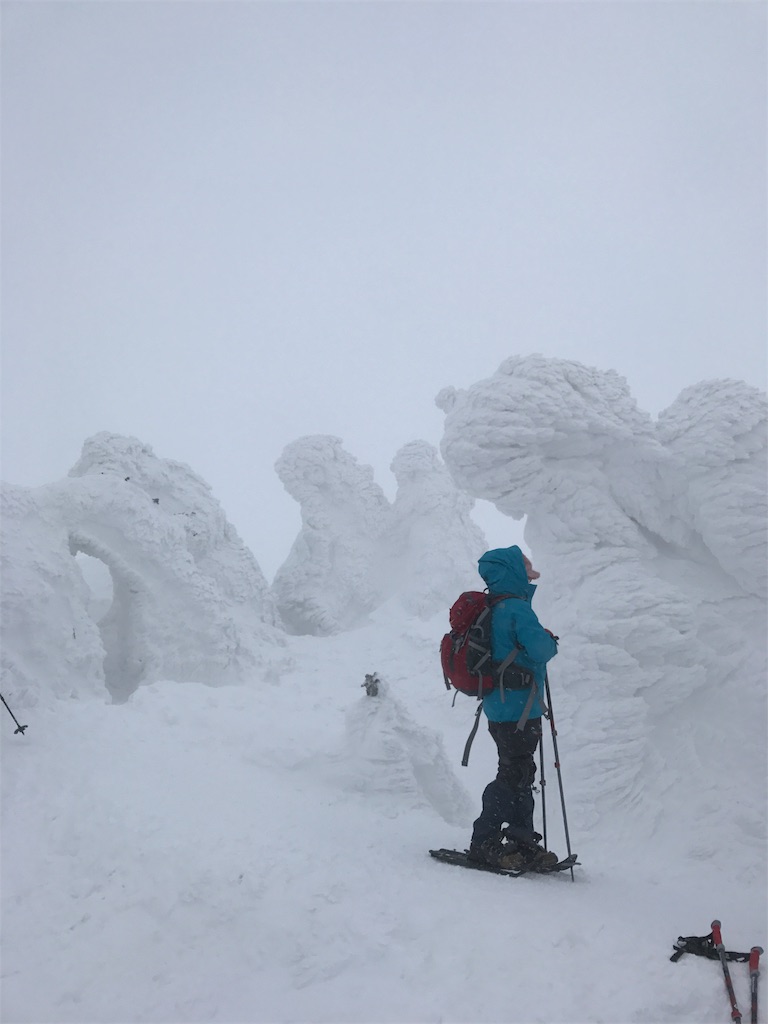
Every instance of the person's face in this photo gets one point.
(530, 571)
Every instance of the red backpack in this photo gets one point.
(465, 652)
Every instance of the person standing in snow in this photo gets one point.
(514, 709)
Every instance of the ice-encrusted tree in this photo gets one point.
(651, 542)
(189, 601)
(332, 576)
(433, 544)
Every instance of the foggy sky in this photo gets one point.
(226, 225)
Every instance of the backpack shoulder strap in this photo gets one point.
(501, 669)
(470, 738)
(528, 707)
(492, 600)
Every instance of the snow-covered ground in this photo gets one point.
(259, 853)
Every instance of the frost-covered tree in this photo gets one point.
(433, 544)
(189, 602)
(651, 542)
(332, 577)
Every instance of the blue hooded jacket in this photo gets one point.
(513, 623)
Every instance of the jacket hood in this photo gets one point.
(503, 570)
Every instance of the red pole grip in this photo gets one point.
(717, 938)
(754, 959)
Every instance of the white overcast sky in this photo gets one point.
(226, 225)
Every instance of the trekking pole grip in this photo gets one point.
(717, 938)
(754, 959)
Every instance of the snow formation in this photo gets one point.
(207, 853)
(189, 601)
(433, 543)
(355, 550)
(331, 578)
(388, 753)
(651, 541)
(51, 647)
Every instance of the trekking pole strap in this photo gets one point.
(470, 738)
(703, 945)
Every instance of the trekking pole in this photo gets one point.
(754, 974)
(19, 728)
(718, 940)
(543, 784)
(557, 765)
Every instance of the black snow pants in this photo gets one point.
(509, 797)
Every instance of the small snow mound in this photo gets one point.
(389, 755)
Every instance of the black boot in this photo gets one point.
(534, 856)
(497, 854)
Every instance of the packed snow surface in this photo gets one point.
(260, 854)
(210, 818)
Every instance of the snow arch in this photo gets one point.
(51, 647)
(189, 601)
(128, 660)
